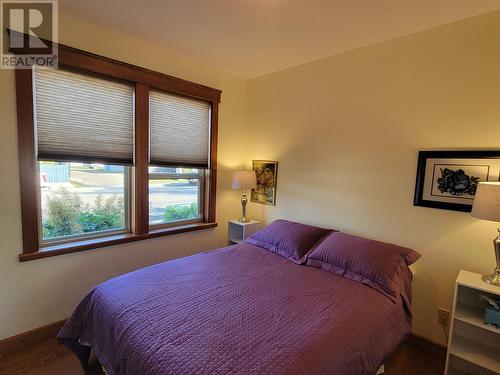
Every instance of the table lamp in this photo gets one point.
(244, 180)
(487, 207)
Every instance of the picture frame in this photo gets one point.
(266, 172)
(448, 179)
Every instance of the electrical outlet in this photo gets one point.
(443, 316)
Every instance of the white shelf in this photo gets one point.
(462, 367)
(474, 352)
(248, 223)
(473, 280)
(474, 347)
(238, 232)
(474, 316)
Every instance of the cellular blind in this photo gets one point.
(179, 130)
(83, 118)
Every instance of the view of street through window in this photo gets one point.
(79, 198)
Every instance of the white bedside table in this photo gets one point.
(474, 347)
(237, 232)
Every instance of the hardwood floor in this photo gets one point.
(411, 360)
(49, 358)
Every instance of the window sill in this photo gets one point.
(95, 243)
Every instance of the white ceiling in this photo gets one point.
(250, 38)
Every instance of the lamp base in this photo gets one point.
(243, 218)
(493, 279)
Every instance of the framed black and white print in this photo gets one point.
(448, 179)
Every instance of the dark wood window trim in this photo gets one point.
(27, 160)
(111, 241)
(141, 172)
(144, 80)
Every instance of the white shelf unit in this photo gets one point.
(474, 347)
(238, 232)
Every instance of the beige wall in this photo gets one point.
(39, 292)
(346, 131)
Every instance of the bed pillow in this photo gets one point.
(291, 240)
(382, 266)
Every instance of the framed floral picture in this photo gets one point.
(266, 172)
(448, 179)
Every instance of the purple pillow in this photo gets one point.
(291, 240)
(382, 266)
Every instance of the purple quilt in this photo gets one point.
(236, 310)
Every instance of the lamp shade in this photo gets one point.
(487, 201)
(244, 180)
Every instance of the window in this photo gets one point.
(86, 119)
(179, 143)
(112, 153)
(175, 195)
(82, 200)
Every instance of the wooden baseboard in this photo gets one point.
(425, 345)
(27, 339)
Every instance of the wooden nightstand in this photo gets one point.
(237, 232)
(474, 347)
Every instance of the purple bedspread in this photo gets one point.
(236, 310)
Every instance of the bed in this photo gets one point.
(241, 309)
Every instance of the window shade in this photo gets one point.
(179, 130)
(83, 118)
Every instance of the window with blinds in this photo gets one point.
(112, 153)
(179, 131)
(83, 118)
